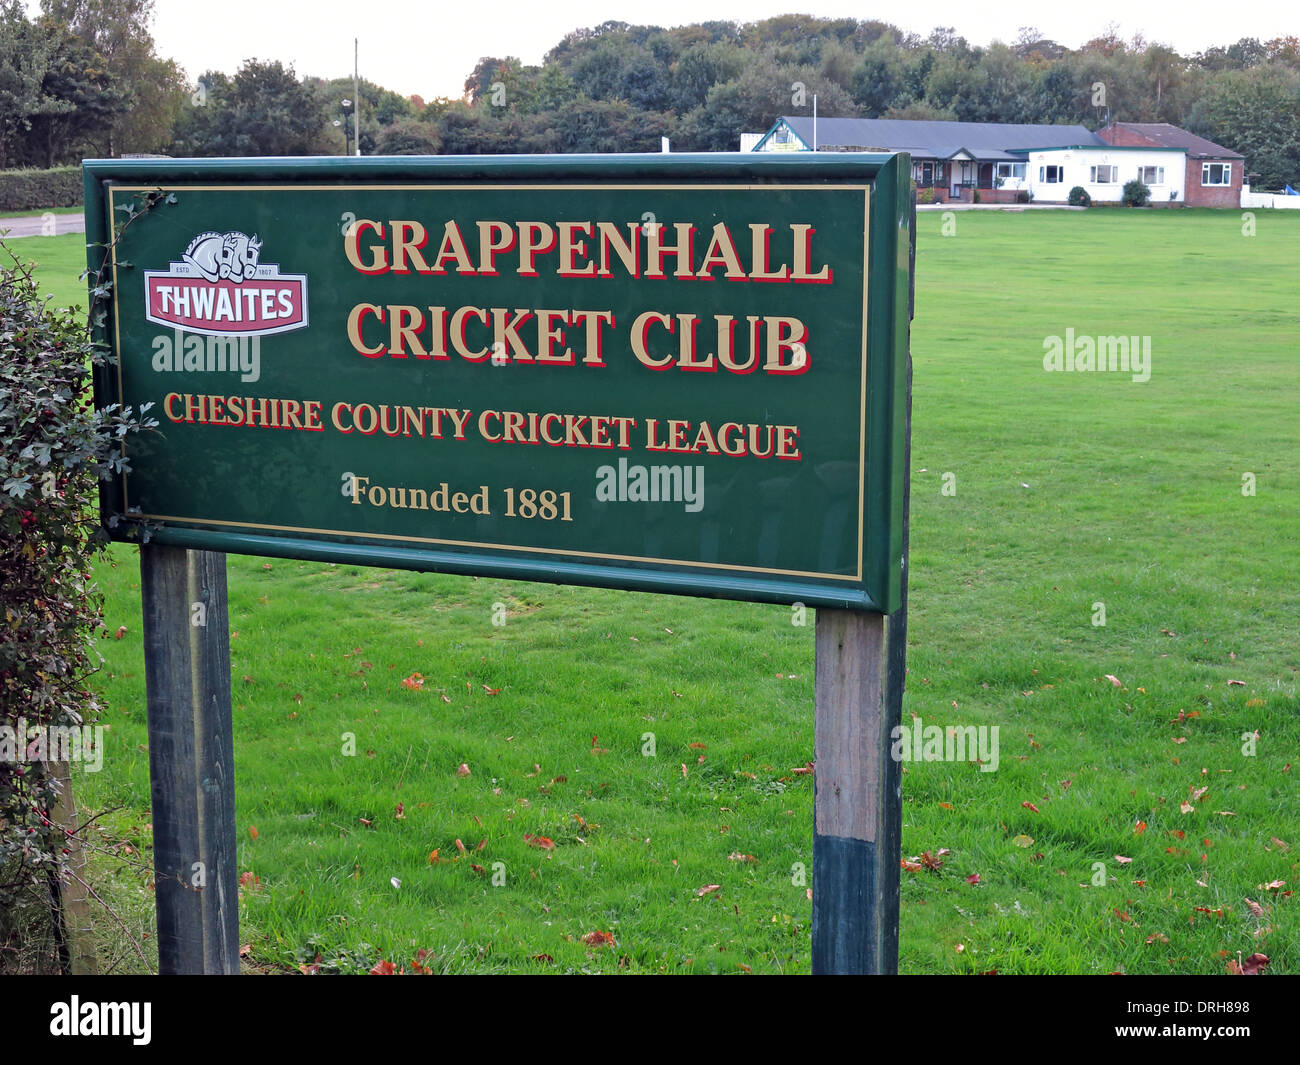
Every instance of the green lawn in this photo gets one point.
(1068, 490)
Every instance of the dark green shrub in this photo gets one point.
(1136, 194)
(26, 190)
(53, 447)
(1079, 197)
(1022, 196)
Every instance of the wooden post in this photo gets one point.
(191, 759)
(861, 662)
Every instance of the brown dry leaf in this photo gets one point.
(1250, 967)
(598, 939)
(685, 771)
(1180, 739)
(122, 631)
(415, 682)
(1280, 843)
(540, 842)
(1273, 885)
(931, 862)
(462, 770)
(803, 770)
(460, 846)
(252, 831)
(698, 747)
(1029, 806)
(491, 691)
(1238, 683)
(1157, 937)
(1113, 679)
(736, 856)
(384, 968)
(1197, 793)
(1255, 908)
(1023, 840)
(707, 889)
(1186, 807)
(1122, 860)
(399, 814)
(911, 867)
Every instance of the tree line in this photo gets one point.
(84, 78)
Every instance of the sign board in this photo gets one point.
(677, 373)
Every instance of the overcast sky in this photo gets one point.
(428, 47)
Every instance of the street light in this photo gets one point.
(346, 104)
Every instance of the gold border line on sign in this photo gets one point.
(505, 547)
(862, 411)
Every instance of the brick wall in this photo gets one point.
(1214, 195)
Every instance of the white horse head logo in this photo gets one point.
(221, 256)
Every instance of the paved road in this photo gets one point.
(35, 225)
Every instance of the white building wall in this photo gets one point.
(1077, 164)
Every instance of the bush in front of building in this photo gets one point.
(1079, 197)
(1136, 194)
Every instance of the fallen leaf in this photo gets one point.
(1255, 907)
(1122, 860)
(1157, 937)
(1023, 841)
(415, 682)
(461, 847)
(400, 813)
(960, 948)
(1197, 793)
(540, 842)
(120, 633)
(736, 856)
(698, 747)
(974, 878)
(1238, 683)
(252, 831)
(707, 889)
(1139, 828)
(1113, 679)
(1250, 967)
(491, 691)
(1272, 885)
(1029, 806)
(598, 939)
(1186, 807)
(382, 968)
(245, 949)
(911, 867)
(462, 770)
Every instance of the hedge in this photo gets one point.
(29, 190)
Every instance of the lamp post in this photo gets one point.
(346, 105)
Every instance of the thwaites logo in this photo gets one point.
(220, 287)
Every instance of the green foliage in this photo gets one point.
(1136, 194)
(52, 449)
(1079, 197)
(23, 190)
(408, 137)
(263, 110)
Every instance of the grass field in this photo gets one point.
(1066, 491)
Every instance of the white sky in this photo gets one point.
(428, 47)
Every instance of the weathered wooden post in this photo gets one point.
(191, 758)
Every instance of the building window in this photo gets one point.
(1051, 175)
(1011, 170)
(1103, 175)
(1151, 175)
(1216, 173)
(782, 135)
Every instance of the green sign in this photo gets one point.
(676, 373)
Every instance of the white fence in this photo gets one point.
(1268, 199)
